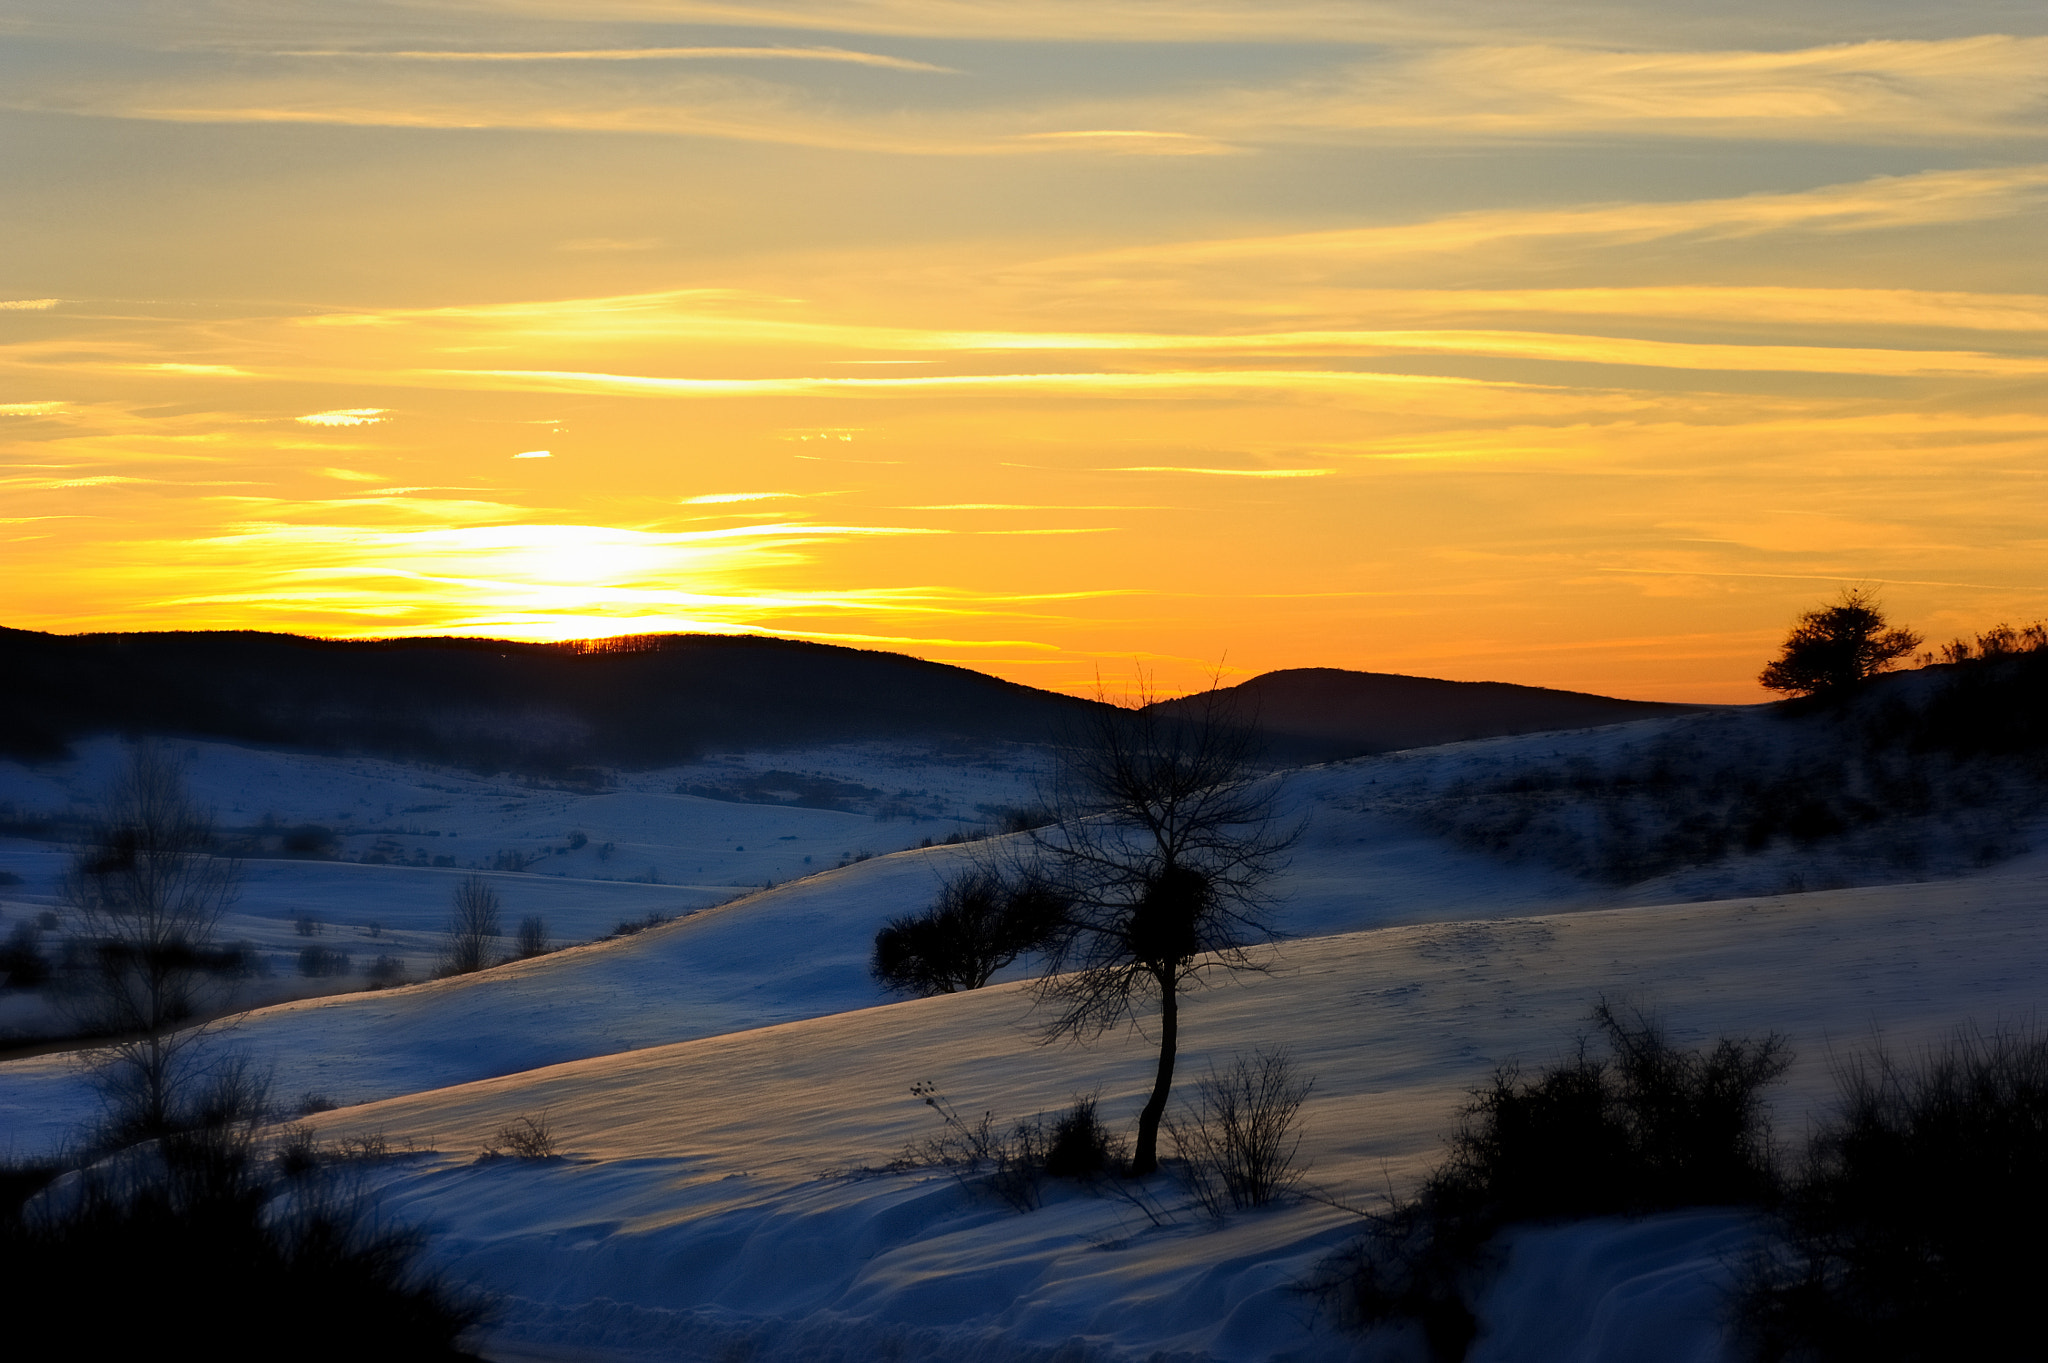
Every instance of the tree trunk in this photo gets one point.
(1146, 1158)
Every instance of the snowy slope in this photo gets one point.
(707, 1074)
(796, 951)
(698, 1212)
(592, 859)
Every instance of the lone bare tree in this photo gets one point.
(473, 928)
(1165, 842)
(147, 893)
(1832, 649)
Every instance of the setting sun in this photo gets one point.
(1584, 356)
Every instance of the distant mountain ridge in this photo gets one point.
(1325, 713)
(661, 699)
(498, 705)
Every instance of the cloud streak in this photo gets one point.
(1932, 198)
(1969, 88)
(632, 54)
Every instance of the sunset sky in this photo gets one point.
(1578, 344)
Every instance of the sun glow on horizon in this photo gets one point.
(1583, 357)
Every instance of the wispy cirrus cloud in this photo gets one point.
(625, 54)
(1221, 473)
(567, 381)
(1955, 89)
(1983, 86)
(1925, 199)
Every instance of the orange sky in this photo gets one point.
(1385, 336)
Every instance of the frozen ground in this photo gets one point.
(590, 859)
(799, 950)
(710, 1204)
(721, 1082)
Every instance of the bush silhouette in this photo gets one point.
(532, 940)
(1014, 1161)
(1238, 1140)
(980, 922)
(1081, 1146)
(194, 1238)
(1647, 1128)
(527, 1138)
(1832, 649)
(22, 963)
(1913, 1230)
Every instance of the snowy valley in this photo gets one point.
(729, 1092)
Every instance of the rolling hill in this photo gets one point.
(495, 705)
(1320, 714)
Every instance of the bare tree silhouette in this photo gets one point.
(147, 893)
(473, 928)
(1165, 842)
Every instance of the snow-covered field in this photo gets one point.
(726, 1084)
(711, 1205)
(592, 860)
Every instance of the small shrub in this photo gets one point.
(1237, 1140)
(21, 1180)
(1013, 1161)
(298, 1151)
(532, 939)
(358, 1149)
(1912, 1232)
(1081, 1146)
(385, 972)
(311, 1102)
(192, 1090)
(1647, 1128)
(311, 840)
(318, 962)
(306, 925)
(528, 1138)
(22, 963)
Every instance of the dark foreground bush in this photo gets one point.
(1645, 1128)
(189, 1246)
(1013, 1161)
(1914, 1230)
(981, 921)
(1080, 1146)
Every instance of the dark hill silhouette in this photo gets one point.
(1312, 714)
(498, 705)
(654, 700)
